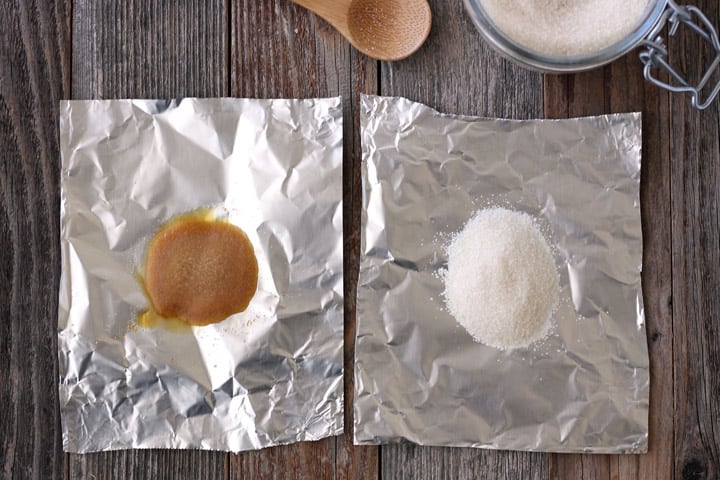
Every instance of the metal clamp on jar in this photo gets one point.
(648, 33)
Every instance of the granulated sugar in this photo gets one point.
(566, 27)
(501, 283)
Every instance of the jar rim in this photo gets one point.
(534, 60)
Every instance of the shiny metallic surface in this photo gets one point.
(419, 376)
(268, 376)
(655, 57)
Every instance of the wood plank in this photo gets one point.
(150, 464)
(110, 60)
(568, 96)
(621, 88)
(34, 77)
(695, 181)
(354, 462)
(456, 72)
(296, 461)
(627, 91)
(160, 49)
(281, 50)
(577, 95)
(413, 461)
(579, 467)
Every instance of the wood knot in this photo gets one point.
(693, 470)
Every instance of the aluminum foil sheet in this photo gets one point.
(270, 375)
(419, 376)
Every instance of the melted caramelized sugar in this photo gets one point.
(198, 271)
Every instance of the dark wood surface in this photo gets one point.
(51, 50)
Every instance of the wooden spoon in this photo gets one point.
(382, 29)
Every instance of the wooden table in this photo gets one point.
(53, 50)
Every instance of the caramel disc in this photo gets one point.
(200, 271)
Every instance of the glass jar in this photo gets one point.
(658, 14)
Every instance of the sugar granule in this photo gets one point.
(501, 284)
(566, 27)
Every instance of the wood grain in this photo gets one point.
(620, 87)
(296, 54)
(154, 49)
(164, 48)
(627, 91)
(564, 97)
(34, 77)
(584, 467)
(578, 95)
(456, 72)
(150, 464)
(695, 181)
(150, 49)
(354, 462)
(412, 461)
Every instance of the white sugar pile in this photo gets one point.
(501, 283)
(566, 27)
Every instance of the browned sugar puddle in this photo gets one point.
(199, 270)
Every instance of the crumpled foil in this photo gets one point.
(419, 376)
(268, 376)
